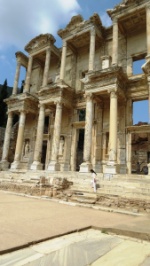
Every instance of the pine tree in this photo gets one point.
(3, 105)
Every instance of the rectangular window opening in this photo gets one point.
(137, 64)
(81, 114)
(140, 112)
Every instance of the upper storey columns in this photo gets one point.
(46, 68)
(63, 60)
(92, 49)
(28, 75)
(91, 53)
(115, 42)
(148, 28)
(15, 87)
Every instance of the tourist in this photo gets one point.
(93, 181)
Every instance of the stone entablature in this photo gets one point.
(22, 102)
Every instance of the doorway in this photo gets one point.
(80, 147)
(44, 151)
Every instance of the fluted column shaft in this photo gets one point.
(46, 68)
(92, 50)
(7, 137)
(115, 43)
(57, 131)
(63, 60)
(19, 143)
(15, 87)
(148, 28)
(88, 128)
(28, 75)
(39, 136)
(113, 127)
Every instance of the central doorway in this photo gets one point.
(80, 147)
(44, 151)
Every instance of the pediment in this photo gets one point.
(39, 42)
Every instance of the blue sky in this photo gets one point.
(22, 20)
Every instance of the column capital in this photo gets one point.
(41, 105)
(10, 113)
(64, 43)
(112, 90)
(115, 20)
(88, 96)
(58, 103)
(93, 31)
(113, 94)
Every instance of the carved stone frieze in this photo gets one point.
(22, 102)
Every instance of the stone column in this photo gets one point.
(129, 152)
(36, 165)
(115, 43)
(98, 138)
(111, 167)
(28, 75)
(63, 60)
(92, 49)
(19, 144)
(148, 28)
(15, 87)
(129, 67)
(86, 165)
(54, 166)
(4, 164)
(113, 127)
(46, 68)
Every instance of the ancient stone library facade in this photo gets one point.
(76, 109)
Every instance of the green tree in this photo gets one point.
(3, 105)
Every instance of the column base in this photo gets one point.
(36, 166)
(16, 165)
(53, 166)
(110, 170)
(123, 169)
(85, 167)
(65, 167)
(4, 165)
(98, 168)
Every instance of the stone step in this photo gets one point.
(83, 199)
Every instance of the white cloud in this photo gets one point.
(22, 20)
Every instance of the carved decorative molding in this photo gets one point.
(39, 42)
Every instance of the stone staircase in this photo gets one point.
(124, 191)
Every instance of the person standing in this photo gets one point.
(93, 181)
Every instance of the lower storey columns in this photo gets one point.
(39, 140)
(111, 167)
(4, 164)
(86, 165)
(54, 166)
(19, 144)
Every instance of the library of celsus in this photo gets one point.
(76, 108)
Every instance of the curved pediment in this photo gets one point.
(40, 42)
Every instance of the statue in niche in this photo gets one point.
(61, 145)
(26, 148)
